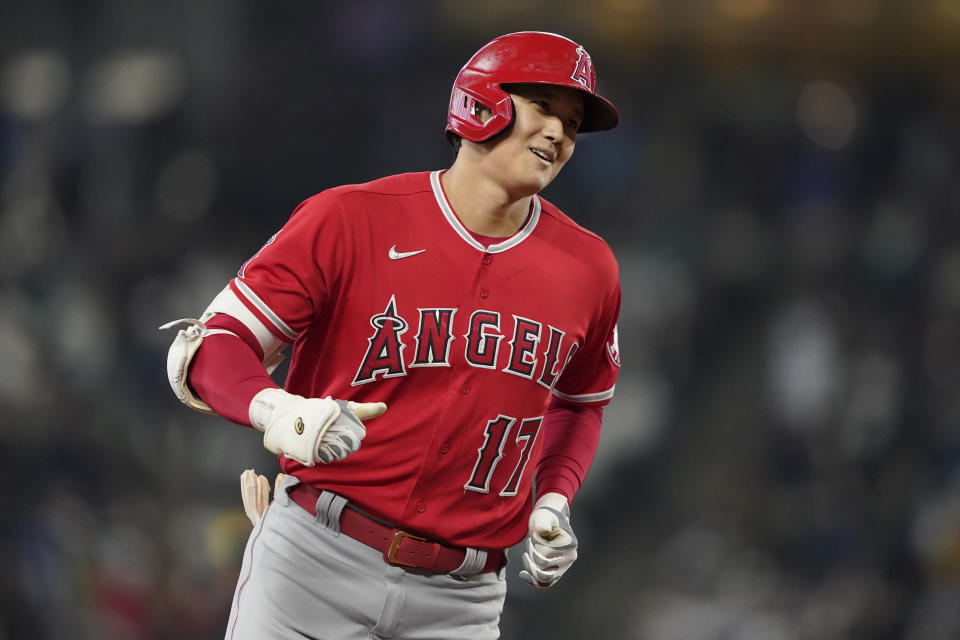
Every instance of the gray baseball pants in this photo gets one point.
(301, 578)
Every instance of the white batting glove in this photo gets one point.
(310, 430)
(551, 545)
(255, 492)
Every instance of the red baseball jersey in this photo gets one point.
(386, 296)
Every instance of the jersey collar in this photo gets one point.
(454, 221)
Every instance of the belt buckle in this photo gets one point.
(398, 537)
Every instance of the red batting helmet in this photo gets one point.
(524, 57)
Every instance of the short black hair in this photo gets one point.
(456, 142)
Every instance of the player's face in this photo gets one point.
(541, 139)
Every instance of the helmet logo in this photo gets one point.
(582, 71)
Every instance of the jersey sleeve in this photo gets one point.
(590, 376)
(289, 280)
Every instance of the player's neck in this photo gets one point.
(483, 206)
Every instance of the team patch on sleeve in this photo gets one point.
(243, 268)
(613, 346)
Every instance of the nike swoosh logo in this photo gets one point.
(397, 255)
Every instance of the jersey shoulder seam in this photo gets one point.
(555, 213)
(375, 187)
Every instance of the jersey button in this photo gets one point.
(465, 389)
(487, 258)
(421, 507)
(444, 449)
(484, 293)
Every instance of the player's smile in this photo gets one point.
(545, 156)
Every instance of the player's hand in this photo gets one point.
(311, 430)
(255, 493)
(551, 545)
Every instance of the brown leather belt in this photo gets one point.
(398, 547)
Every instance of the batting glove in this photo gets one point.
(310, 430)
(255, 493)
(551, 544)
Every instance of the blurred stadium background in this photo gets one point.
(782, 458)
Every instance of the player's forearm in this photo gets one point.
(226, 373)
(570, 437)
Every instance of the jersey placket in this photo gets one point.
(463, 383)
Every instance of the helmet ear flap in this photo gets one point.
(464, 106)
(464, 115)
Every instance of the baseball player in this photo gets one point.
(454, 341)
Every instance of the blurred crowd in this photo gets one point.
(782, 457)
